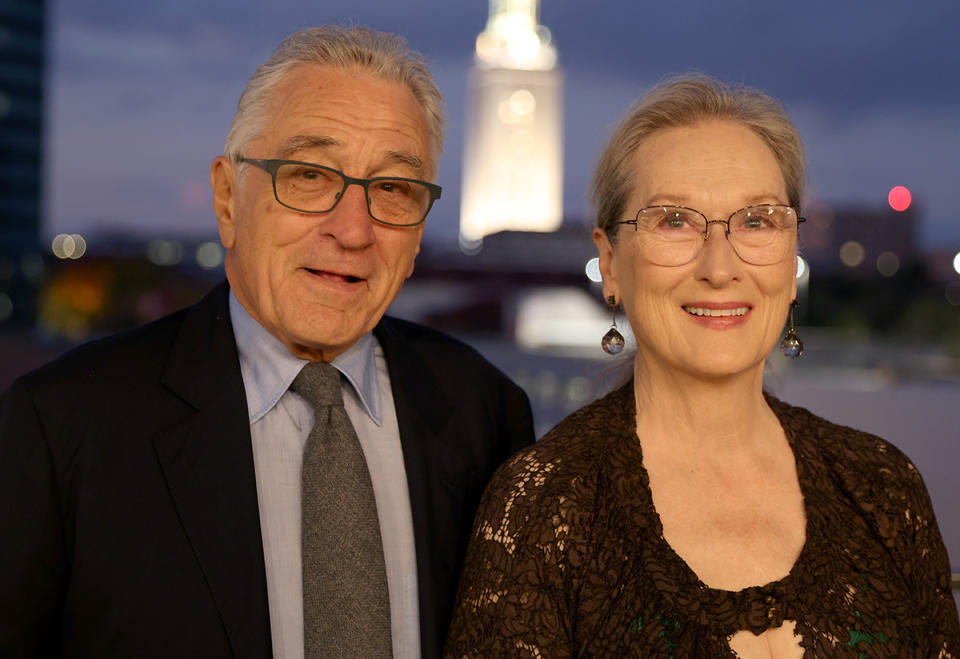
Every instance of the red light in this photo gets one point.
(899, 198)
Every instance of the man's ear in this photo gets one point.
(223, 180)
(605, 255)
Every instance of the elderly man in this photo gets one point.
(279, 469)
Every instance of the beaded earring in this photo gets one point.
(612, 342)
(791, 346)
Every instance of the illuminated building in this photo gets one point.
(513, 152)
(21, 155)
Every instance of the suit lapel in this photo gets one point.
(207, 461)
(417, 394)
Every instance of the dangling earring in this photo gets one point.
(791, 346)
(612, 341)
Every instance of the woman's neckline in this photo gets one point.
(690, 576)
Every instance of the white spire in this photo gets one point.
(513, 39)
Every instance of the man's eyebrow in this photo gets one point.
(308, 142)
(305, 142)
(405, 158)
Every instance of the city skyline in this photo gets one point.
(140, 100)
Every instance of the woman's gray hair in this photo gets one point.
(684, 101)
(382, 55)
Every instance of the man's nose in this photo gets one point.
(350, 221)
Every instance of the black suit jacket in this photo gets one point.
(128, 501)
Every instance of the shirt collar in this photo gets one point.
(268, 368)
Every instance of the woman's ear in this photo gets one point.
(605, 256)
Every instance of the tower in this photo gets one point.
(513, 152)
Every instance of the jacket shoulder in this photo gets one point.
(112, 359)
(436, 348)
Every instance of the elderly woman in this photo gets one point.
(689, 514)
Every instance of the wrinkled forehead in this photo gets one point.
(323, 106)
(683, 164)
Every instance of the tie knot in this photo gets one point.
(319, 384)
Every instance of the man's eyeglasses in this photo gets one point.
(309, 188)
(674, 235)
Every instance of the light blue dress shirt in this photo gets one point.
(280, 422)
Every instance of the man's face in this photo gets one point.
(318, 282)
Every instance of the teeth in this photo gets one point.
(699, 311)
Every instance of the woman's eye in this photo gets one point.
(675, 221)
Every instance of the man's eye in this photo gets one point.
(391, 187)
(308, 174)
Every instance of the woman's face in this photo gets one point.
(715, 167)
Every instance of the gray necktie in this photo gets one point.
(346, 607)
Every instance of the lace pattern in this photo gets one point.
(568, 559)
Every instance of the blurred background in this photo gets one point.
(110, 113)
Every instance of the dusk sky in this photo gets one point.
(140, 95)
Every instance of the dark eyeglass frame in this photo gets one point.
(706, 227)
(273, 165)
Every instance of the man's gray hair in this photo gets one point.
(381, 54)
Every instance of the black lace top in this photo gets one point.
(567, 557)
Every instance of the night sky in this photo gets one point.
(141, 94)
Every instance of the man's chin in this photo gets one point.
(318, 343)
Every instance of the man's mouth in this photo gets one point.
(350, 279)
(702, 311)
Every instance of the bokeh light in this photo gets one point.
(852, 253)
(469, 246)
(888, 264)
(593, 270)
(802, 267)
(62, 246)
(164, 252)
(899, 198)
(209, 255)
(68, 246)
(956, 263)
(31, 265)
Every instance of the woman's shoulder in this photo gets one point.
(843, 446)
(876, 475)
(543, 500)
(562, 468)
(578, 445)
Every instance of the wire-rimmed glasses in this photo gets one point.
(310, 188)
(673, 235)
